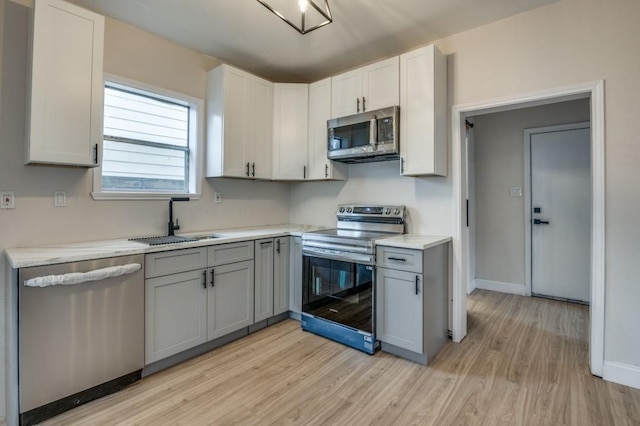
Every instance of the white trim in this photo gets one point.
(593, 90)
(526, 190)
(472, 286)
(500, 287)
(196, 133)
(624, 374)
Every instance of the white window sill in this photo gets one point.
(99, 196)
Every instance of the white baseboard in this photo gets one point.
(471, 286)
(623, 374)
(501, 287)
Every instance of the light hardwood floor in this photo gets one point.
(524, 362)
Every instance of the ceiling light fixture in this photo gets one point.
(302, 15)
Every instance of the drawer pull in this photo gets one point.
(265, 242)
(398, 259)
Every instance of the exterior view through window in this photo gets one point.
(146, 143)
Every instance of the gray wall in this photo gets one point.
(499, 165)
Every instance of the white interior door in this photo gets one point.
(561, 213)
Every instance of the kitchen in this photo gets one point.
(488, 62)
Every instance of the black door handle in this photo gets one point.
(540, 222)
(213, 284)
(204, 278)
(417, 284)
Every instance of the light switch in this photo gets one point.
(60, 198)
(516, 191)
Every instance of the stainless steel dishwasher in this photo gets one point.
(81, 333)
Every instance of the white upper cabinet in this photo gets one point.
(290, 104)
(64, 122)
(239, 124)
(364, 89)
(321, 168)
(423, 112)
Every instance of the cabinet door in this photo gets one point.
(281, 276)
(320, 168)
(381, 84)
(66, 99)
(290, 105)
(228, 113)
(175, 314)
(399, 316)
(423, 115)
(295, 275)
(229, 298)
(264, 279)
(258, 147)
(346, 90)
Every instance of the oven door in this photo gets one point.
(339, 290)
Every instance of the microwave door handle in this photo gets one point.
(373, 132)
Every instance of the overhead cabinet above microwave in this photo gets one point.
(65, 99)
(374, 86)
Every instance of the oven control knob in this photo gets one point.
(396, 211)
(349, 209)
(388, 211)
(341, 209)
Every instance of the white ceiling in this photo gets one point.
(244, 33)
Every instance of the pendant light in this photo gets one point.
(302, 15)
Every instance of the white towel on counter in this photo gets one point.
(83, 277)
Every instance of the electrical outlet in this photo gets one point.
(217, 197)
(7, 200)
(60, 198)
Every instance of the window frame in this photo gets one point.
(196, 143)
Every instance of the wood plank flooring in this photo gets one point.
(524, 362)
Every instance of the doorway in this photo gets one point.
(594, 91)
(558, 211)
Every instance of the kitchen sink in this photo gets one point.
(161, 240)
(204, 237)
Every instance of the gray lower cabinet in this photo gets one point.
(175, 302)
(411, 301)
(196, 295)
(264, 279)
(295, 277)
(229, 298)
(281, 259)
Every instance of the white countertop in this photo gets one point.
(24, 257)
(413, 241)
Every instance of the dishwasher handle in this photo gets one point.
(83, 277)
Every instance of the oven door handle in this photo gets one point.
(309, 244)
(341, 256)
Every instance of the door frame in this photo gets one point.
(526, 191)
(594, 91)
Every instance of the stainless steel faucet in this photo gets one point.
(174, 226)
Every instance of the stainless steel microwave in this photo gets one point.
(368, 136)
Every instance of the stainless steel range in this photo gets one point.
(338, 299)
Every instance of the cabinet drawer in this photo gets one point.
(399, 258)
(175, 261)
(230, 253)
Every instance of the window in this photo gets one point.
(150, 144)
